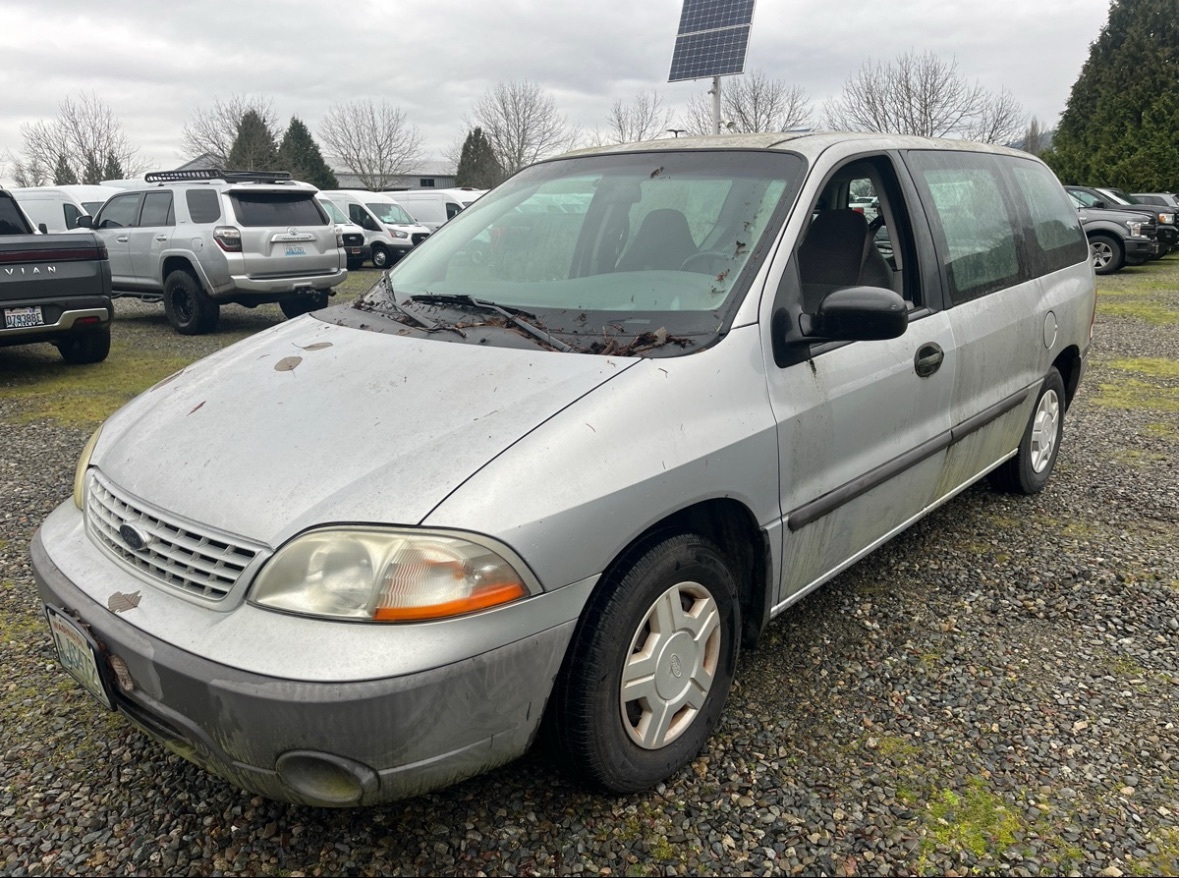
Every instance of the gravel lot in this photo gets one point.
(994, 691)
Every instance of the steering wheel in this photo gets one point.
(706, 262)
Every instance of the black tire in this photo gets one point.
(294, 306)
(622, 744)
(1028, 471)
(1107, 253)
(91, 347)
(354, 264)
(189, 308)
(381, 257)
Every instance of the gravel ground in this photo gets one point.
(994, 691)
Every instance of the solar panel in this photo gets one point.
(712, 40)
(713, 53)
(701, 15)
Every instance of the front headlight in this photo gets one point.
(1167, 219)
(388, 576)
(1135, 228)
(400, 234)
(80, 470)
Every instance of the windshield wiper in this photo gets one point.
(510, 314)
(421, 319)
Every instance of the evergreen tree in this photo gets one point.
(478, 167)
(92, 172)
(1121, 124)
(299, 154)
(63, 174)
(113, 169)
(254, 148)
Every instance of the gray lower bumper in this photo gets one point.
(330, 744)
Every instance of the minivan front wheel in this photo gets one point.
(1028, 471)
(650, 666)
(1108, 254)
(189, 308)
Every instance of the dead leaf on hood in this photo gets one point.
(318, 346)
(287, 364)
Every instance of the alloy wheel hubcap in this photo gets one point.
(671, 665)
(1044, 430)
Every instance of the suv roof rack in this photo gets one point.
(218, 174)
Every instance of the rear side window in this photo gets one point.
(973, 221)
(11, 221)
(1057, 240)
(203, 205)
(260, 209)
(157, 209)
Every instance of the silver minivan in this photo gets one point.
(559, 466)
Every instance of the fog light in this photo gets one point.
(326, 779)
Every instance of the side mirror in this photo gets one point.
(85, 221)
(857, 314)
(1100, 203)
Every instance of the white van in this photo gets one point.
(433, 207)
(389, 231)
(51, 209)
(90, 197)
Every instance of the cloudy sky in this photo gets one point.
(155, 64)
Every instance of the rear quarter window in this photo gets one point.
(973, 221)
(1057, 240)
(204, 206)
(261, 209)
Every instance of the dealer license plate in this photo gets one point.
(295, 250)
(78, 654)
(19, 318)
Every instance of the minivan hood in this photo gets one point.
(311, 423)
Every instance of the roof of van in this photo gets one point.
(809, 144)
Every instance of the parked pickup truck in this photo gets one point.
(53, 288)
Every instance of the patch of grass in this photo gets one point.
(1136, 395)
(1155, 367)
(1135, 457)
(84, 396)
(1163, 854)
(1136, 308)
(976, 820)
(1161, 430)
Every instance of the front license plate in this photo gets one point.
(19, 318)
(78, 654)
(295, 250)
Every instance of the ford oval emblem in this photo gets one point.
(136, 539)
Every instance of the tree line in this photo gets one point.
(1119, 127)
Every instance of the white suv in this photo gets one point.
(198, 239)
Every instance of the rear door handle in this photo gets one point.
(161, 237)
(928, 359)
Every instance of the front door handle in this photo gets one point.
(161, 237)
(928, 359)
(123, 239)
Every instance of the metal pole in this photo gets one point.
(716, 102)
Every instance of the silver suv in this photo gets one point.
(198, 239)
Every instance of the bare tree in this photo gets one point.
(750, 103)
(644, 118)
(926, 95)
(522, 124)
(85, 136)
(212, 131)
(1033, 137)
(374, 141)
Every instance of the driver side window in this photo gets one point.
(857, 236)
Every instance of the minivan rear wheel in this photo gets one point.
(1028, 471)
(189, 308)
(1108, 254)
(650, 666)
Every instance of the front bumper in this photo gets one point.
(1139, 250)
(352, 742)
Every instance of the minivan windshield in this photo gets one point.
(390, 214)
(612, 244)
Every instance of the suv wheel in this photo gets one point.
(189, 308)
(380, 256)
(1108, 255)
(293, 306)
(91, 347)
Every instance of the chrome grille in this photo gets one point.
(198, 561)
